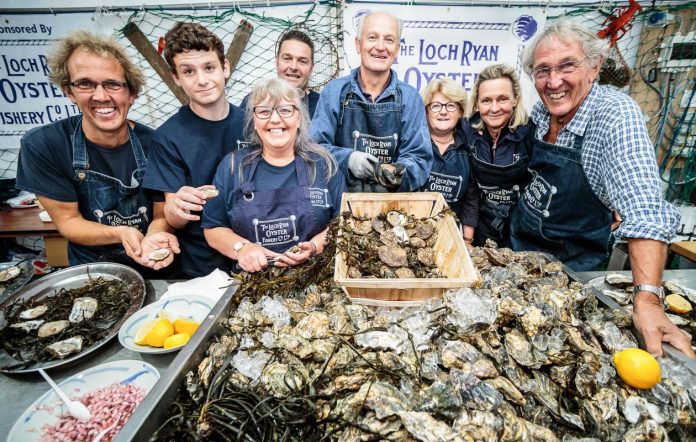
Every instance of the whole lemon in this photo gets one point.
(176, 340)
(637, 368)
(161, 330)
(185, 325)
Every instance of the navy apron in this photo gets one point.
(558, 212)
(369, 127)
(500, 190)
(106, 200)
(276, 219)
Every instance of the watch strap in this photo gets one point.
(657, 290)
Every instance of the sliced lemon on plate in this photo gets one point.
(185, 325)
(176, 340)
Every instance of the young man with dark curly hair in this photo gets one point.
(189, 146)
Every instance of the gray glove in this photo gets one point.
(362, 165)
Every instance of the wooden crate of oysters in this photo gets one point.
(399, 248)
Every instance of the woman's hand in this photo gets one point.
(289, 259)
(254, 258)
(159, 240)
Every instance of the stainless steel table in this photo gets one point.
(17, 392)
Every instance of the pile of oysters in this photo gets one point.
(390, 245)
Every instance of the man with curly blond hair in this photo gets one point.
(87, 170)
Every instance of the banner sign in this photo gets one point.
(453, 41)
(27, 98)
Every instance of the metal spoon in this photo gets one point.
(78, 410)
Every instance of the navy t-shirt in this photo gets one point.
(186, 152)
(45, 160)
(227, 179)
(45, 167)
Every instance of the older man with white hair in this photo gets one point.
(591, 155)
(373, 123)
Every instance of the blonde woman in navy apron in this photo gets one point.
(445, 102)
(280, 191)
(496, 134)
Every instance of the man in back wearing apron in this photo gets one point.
(373, 123)
(294, 64)
(87, 170)
(592, 154)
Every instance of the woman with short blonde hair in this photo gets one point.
(445, 102)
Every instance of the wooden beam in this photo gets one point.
(143, 45)
(238, 44)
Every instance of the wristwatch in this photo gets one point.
(239, 245)
(655, 289)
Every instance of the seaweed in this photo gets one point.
(27, 348)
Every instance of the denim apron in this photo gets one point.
(500, 191)
(276, 219)
(106, 200)
(558, 212)
(369, 127)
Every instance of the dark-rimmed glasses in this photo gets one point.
(436, 106)
(541, 74)
(284, 111)
(91, 86)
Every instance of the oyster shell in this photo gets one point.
(417, 242)
(426, 255)
(361, 227)
(618, 280)
(386, 272)
(353, 272)
(9, 273)
(210, 193)
(33, 313)
(424, 229)
(396, 219)
(393, 256)
(404, 272)
(159, 254)
(83, 308)
(378, 225)
(28, 326)
(52, 328)
(401, 235)
(388, 237)
(65, 347)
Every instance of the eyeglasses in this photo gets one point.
(91, 86)
(541, 74)
(284, 111)
(437, 106)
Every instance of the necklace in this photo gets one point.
(447, 141)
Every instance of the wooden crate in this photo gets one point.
(451, 254)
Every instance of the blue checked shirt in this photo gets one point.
(619, 161)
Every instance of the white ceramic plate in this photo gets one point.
(48, 408)
(185, 306)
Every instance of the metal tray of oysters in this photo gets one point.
(66, 315)
(524, 355)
